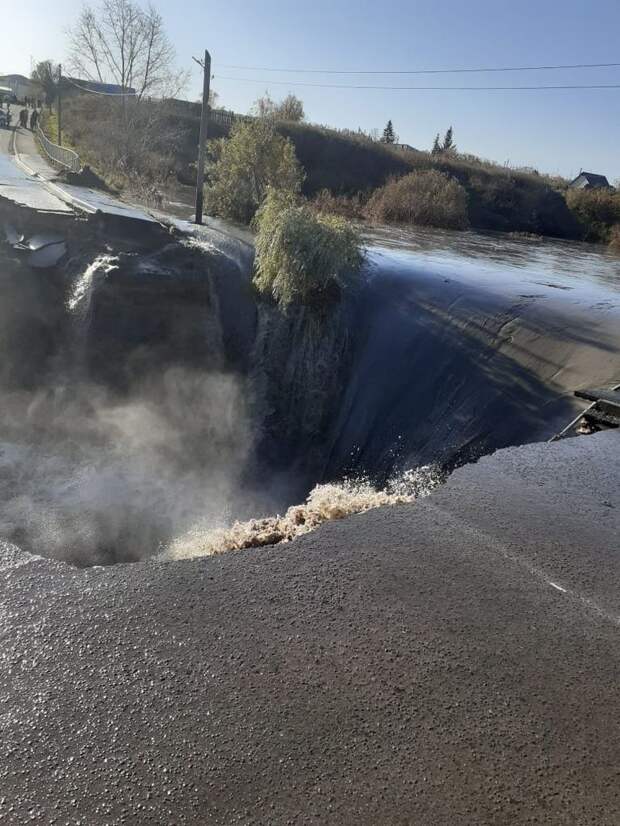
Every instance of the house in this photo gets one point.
(21, 86)
(6, 93)
(588, 180)
(404, 147)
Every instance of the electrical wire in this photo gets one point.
(424, 71)
(419, 88)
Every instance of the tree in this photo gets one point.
(388, 133)
(303, 256)
(448, 141)
(290, 109)
(264, 107)
(254, 158)
(122, 43)
(46, 73)
(214, 98)
(436, 150)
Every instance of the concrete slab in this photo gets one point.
(92, 200)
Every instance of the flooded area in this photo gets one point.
(506, 261)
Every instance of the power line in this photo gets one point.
(97, 92)
(424, 71)
(419, 88)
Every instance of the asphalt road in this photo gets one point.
(16, 185)
(34, 183)
(452, 662)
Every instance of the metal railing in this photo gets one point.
(59, 154)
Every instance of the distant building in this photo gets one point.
(588, 180)
(21, 86)
(405, 147)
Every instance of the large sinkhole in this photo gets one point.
(150, 399)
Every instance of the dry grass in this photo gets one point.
(597, 210)
(350, 167)
(352, 207)
(614, 238)
(428, 198)
(137, 146)
(341, 169)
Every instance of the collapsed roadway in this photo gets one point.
(455, 661)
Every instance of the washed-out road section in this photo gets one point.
(456, 661)
(27, 180)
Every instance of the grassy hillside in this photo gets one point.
(342, 163)
(342, 169)
(499, 198)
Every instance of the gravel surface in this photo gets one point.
(451, 662)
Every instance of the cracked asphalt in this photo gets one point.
(452, 662)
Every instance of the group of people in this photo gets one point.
(25, 117)
(34, 119)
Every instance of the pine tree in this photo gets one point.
(388, 133)
(436, 150)
(448, 141)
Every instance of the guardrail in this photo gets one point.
(59, 154)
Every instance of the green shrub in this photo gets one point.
(245, 166)
(597, 210)
(428, 198)
(303, 256)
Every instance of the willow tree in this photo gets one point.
(245, 166)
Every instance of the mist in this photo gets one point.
(112, 444)
(94, 479)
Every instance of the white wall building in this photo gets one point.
(22, 86)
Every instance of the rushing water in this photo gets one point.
(151, 405)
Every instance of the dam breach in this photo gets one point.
(149, 393)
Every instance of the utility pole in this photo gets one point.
(202, 146)
(59, 105)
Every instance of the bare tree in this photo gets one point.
(46, 74)
(290, 108)
(122, 43)
(264, 107)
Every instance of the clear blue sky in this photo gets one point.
(556, 131)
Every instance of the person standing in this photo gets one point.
(34, 117)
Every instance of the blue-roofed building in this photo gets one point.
(77, 85)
